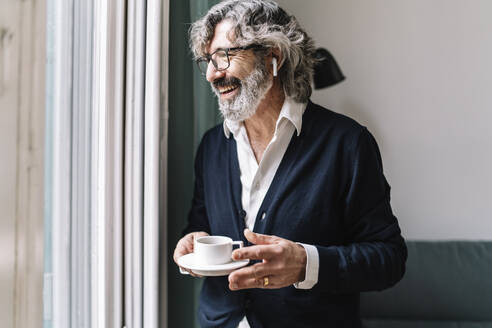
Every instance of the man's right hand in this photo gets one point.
(185, 246)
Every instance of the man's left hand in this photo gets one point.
(283, 263)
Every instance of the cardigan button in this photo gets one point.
(263, 216)
(242, 213)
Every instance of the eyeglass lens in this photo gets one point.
(219, 59)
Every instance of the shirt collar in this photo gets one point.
(291, 110)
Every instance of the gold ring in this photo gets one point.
(265, 282)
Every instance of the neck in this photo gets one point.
(262, 124)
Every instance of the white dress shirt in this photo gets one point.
(257, 177)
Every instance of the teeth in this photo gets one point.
(227, 89)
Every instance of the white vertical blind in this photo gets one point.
(163, 249)
(143, 107)
(80, 243)
(134, 152)
(151, 160)
(128, 169)
(107, 124)
(98, 167)
(62, 99)
(107, 201)
(116, 45)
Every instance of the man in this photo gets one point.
(302, 186)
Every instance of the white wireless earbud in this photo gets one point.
(274, 63)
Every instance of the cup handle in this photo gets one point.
(238, 243)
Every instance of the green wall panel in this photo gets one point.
(192, 111)
(180, 161)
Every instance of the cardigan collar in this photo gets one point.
(291, 111)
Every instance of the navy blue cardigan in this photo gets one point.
(329, 191)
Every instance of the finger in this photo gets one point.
(194, 274)
(259, 239)
(188, 272)
(257, 281)
(182, 249)
(246, 284)
(256, 271)
(190, 241)
(198, 234)
(249, 277)
(256, 252)
(186, 244)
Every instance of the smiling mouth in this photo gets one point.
(226, 86)
(228, 90)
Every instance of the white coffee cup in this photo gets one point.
(212, 250)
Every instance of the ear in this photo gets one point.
(276, 60)
(276, 53)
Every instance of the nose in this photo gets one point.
(213, 74)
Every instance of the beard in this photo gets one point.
(252, 90)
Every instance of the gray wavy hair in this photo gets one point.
(263, 22)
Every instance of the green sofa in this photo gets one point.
(447, 284)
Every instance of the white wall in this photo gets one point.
(22, 59)
(9, 43)
(419, 76)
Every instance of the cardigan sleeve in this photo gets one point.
(197, 217)
(374, 253)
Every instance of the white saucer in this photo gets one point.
(188, 261)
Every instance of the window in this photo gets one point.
(106, 62)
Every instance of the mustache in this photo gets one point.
(225, 82)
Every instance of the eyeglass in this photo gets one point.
(220, 58)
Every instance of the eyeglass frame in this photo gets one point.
(208, 57)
